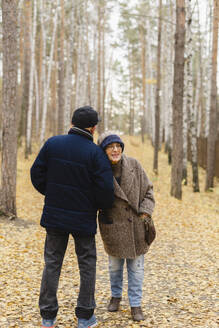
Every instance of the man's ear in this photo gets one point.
(92, 130)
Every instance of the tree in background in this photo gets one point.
(176, 171)
(213, 110)
(191, 108)
(157, 107)
(61, 70)
(9, 106)
(32, 37)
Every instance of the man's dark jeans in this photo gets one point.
(55, 247)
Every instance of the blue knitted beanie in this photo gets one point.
(111, 139)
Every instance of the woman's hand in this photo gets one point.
(144, 216)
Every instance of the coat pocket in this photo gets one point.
(150, 231)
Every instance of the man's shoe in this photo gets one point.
(48, 323)
(83, 323)
(137, 314)
(114, 304)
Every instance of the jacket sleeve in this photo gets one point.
(38, 170)
(147, 201)
(102, 180)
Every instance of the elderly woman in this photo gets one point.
(124, 228)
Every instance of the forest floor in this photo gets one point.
(181, 285)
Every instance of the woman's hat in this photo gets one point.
(108, 138)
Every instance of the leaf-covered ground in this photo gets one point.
(181, 285)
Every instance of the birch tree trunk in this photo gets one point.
(190, 105)
(99, 93)
(103, 70)
(197, 100)
(131, 105)
(176, 171)
(69, 69)
(213, 110)
(61, 85)
(170, 75)
(149, 85)
(26, 74)
(31, 86)
(43, 58)
(199, 90)
(88, 60)
(21, 127)
(68, 87)
(208, 71)
(158, 90)
(46, 90)
(143, 78)
(37, 97)
(53, 113)
(9, 107)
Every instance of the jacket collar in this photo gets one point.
(81, 132)
(122, 191)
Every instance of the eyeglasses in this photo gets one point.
(111, 147)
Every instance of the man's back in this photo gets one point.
(76, 178)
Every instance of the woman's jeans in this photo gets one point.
(135, 269)
(55, 247)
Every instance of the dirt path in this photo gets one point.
(181, 286)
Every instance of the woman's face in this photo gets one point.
(114, 152)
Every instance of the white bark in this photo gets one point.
(190, 106)
(169, 84)
(209, 73)
(46, 89)
(43, 68)
(150, 90)
(197, 105)
(68, 89)
(208, 100)
(81, 82)
(31, 87)
(37, 101)
(69, 71)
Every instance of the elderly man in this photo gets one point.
(75, 176)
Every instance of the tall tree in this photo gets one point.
(176, 171)
(47, 82)
(131, 93)
(143, 77)
(170, 64)
(213, 110)
(26, 64)
(9, 106)
(208, 69)
(157, 107)
(31, 86)
(69, 68)
(103, 91)
(61, 85)
(192, 122)
(99, 89)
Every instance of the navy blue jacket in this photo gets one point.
(76, 178)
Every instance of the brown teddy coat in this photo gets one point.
(125, 237)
